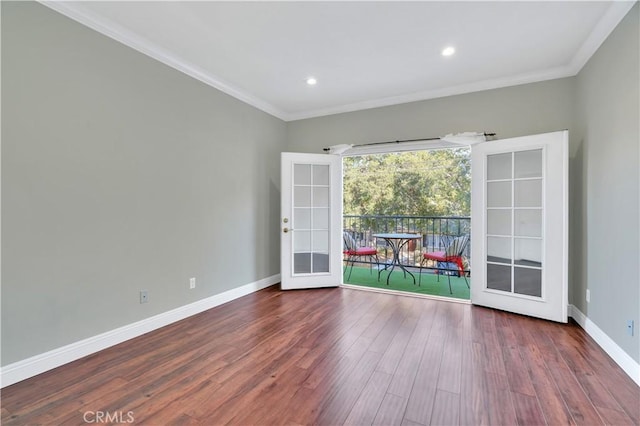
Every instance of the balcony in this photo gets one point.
(436, 233)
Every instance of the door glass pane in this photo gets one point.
(499, 166)
(527, 281)
(302, 174)
(528, 193)
(320, 196)
(301, 241)
(302, 218)
(499, 222)
(320, 262)
(499, 249)
(301, 263)
(320, 174)
(499, 194)
(320, 241)
(302, 196)
(528, 252)
(528, 164)
(321, 218)
(528, 223)
(499, 277)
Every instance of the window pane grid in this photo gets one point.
(510, 198)
(311, 195)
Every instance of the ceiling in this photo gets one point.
(363, 54)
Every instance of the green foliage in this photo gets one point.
(422, 183)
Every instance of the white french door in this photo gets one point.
(311, 220)
(519, 223)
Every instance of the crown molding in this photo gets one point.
(74, 10)
(462, 89)
(605, 26)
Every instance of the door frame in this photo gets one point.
(426, 145)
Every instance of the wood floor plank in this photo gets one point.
(494, 360)
(450, 367)
(245, 385)
(391, 411)
(182, 407)
(499, 403)
(183, 420)
(422, 397)
(405, 374)
(336, 356)
(516, 369)
(396, 348)
(325, 336)
(528, 410)
(615, 417)
(555, 409)
(264, 391)
(446, 409)
(277, 401)
(337, 364)
(406, 422)
(577, 401)
(341, 399)
(366, 407)
(473, 401)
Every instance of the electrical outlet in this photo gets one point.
(144, 296)
(192, 283)
(630, 327)
(588, 297)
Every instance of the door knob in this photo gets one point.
(285, 230)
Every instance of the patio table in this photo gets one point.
(396, 242)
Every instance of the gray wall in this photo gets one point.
(513, 111)
(607, 167)
(600, 109)
(121, 174)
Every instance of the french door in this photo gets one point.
(311, 220)
(519, 223)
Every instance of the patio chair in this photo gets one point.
(452, 254)
(353, 252)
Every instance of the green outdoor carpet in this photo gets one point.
(430, 285)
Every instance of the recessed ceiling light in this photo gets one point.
(448, 51)
(311, 81)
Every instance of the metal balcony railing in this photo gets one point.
(436, 231)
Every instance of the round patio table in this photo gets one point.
(396, 241)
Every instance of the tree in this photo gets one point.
(422, 183)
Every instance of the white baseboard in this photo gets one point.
(628, 364)
(37, 364)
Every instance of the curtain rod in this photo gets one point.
(400, 141)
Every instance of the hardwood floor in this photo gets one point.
(338, 356)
